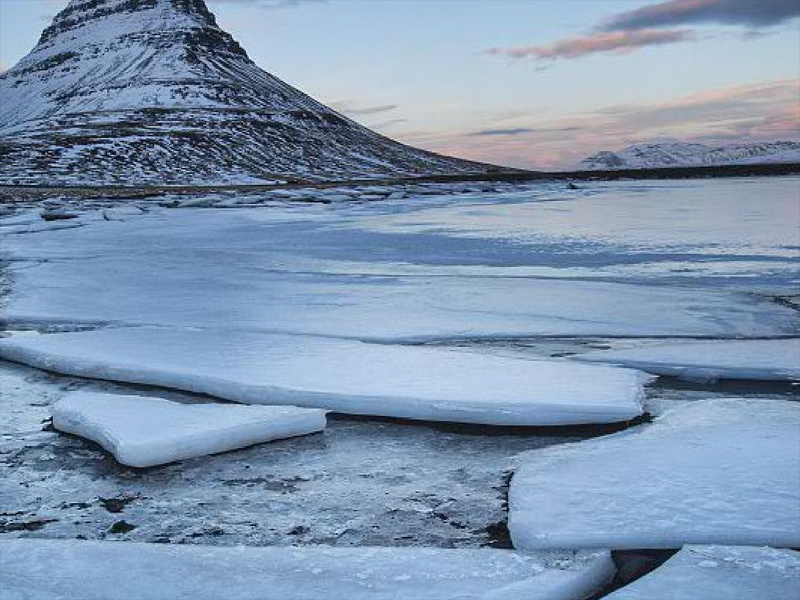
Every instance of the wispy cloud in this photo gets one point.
(618, 42)
(512, 131)
(748, 13)
(388, 124)
(658, 25)
(351, 108)
(501, 132)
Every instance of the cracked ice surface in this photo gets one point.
(144, 432)
(417, 268)
(94, 571)
(729, 572)
(343, 375)
(722, 471)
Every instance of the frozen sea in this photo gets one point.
(525, 271)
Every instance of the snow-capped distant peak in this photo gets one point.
(673, 153)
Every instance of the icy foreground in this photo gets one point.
(415, 485)
(709, 361)
(144, 432)
(344, 376)
(95, 570)
(711, 472)
(732, 573)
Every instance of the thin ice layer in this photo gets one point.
(313, 272)
(726, 359)
(342, 375)
(144, 431)
(729, 572)
(94, 571)
(721, 471)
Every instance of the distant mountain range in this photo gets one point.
(686, 154)
(153, 91)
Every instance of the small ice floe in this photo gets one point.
(724, 471)
(729, 572)
(708, 361)
(144, 432)
(120, 571)
(344, 375)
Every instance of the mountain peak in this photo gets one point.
(87, 21)
(676, 153)
(153, 91)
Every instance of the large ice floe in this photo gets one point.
(102, 571)
(711, 360)
(724, 471)
(143, 432)
(343, 375)
(725, 572)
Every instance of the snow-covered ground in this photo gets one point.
(502, 279)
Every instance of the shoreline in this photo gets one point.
(11, 191)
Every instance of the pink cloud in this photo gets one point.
(618, 42)
(758, 112)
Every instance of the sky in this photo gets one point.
(525, 83)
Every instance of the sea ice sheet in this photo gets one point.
(729, 572)
(100, 571)
(333, 272)
(343, 375)
(707, 361)
(724, 471)
(144, 431)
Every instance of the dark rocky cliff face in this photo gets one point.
(153, 91)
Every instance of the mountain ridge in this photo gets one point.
(676, 153)
(154, 91)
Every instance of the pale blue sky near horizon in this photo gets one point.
(494, 80)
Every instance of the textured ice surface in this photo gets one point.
(102, 571)
(421, 266)
(143, 432)
(723, 471)
(729, 572)
(708, 361)
(371, 272)
(343, 375)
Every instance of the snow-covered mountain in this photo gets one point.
(687, 154)
(153, 91)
